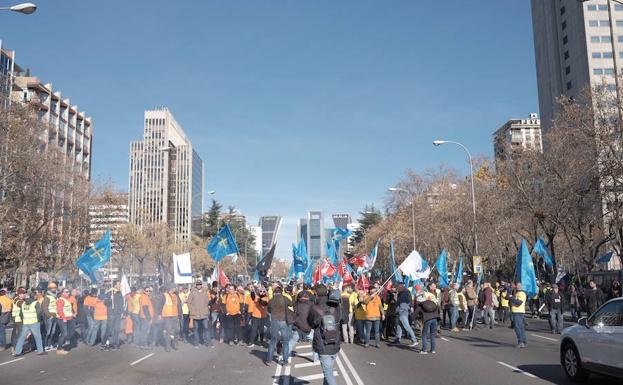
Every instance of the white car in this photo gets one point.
(595, 344)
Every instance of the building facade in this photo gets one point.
(270, 226)
(166, 177)
(316, 235)
(7, 70)
(518, 135)
(577, 44)
(301, 230)
(108, 212)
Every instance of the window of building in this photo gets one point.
(604, 23)
(568, 70)
(593, 23)
(595, 39)
(596, 55)
(621, 55)
(611, 87)
(607, 55)
(606, 39)
(563, 10)
(564, 25)
(566, 55)
(598, 71)
(619, 23)
(602, 7)
(609, 71)
(618, 7)
(568, 85)
(565, 40)
(591, 7)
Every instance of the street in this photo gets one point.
(482, 356)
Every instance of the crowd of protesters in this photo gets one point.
(277, 316)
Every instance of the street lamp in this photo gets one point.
(471, 169)
(25, 8)
(402, 190)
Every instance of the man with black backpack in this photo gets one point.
(324, 318)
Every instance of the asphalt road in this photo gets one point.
(482, 357)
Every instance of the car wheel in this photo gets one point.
(571, 363)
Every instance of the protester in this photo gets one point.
(232, 302)
(114, 311)
(488, 304)
(199, 312)
(30, 314)
(279, 329)
(259, 317)
(555, 305)
(6, 309)
(169, 310)
(428, 311)
(360, 317)
(48, 307)
(472, 301)
(404, 304)
(574, 303)
(374, 314)
(518, 299)
(594, 298)
(65, 313)
(348, 302)
(615, 290)
(146, 316)
(453, 307)
(324, 318)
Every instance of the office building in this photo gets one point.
(109, 211)
(342, 221)
(270, 226)
(301, 231)
(7, 70)
(518, 135)
(256, 231)
(577, 44)
(166, 177)
(316, 235)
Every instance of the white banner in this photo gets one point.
(182, 269)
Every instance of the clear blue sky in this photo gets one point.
(293, 105)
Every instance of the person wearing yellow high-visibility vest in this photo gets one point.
(517, 301)
(48, 308)
(30, 313)
(15, 315)
(183, 295)
(6, 308)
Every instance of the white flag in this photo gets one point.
(413, 266)
(125, 287)
(214, 277)
(182, 269)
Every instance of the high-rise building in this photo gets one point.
(270, 230)
(518, 135)
(576, 44)
(109, 211)
(315, 229)
(7, 70)
(301, 230)
(256, 231)
(342, 221)
(166, 177)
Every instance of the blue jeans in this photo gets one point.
(454, 316)
(143, 332)
(429, 330)
(377, 333)
(403, 323)
(202, 326)
(35, 329)
(279, 331)
(520, 328)
(89, 331)
(294, 338)
(50, 329)
(98, 327)
(327, 362)
(360, 328)
(2, 335)
(112, 330)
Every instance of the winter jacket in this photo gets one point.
(315, 320)
(404, 301)
(301, 314)
(199, 304)
(594, 298)
(278, 307)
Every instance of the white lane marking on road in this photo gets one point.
(545, 338)
(10, 362)
(142, 359)
(314, 377)
(517, 369)
(305, 354)
(346, 376)
(286, 374)
(304, 346)
(351, 368)
(277, 375)
(307, 364)
(445, 339)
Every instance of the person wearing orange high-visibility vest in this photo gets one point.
(170, 312)
(146, 314)
(64, 314)
(233, 304)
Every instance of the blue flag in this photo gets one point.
(398, 275)
(524, 272)
(442, 268)
(309, 272)
(300, 258)
(332, 253)
(458, 273)
(605, 258)
(339, 234)
(542, 250)
(371, 258)
(223, 244)
(95, 257)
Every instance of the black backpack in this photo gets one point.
(329, 330)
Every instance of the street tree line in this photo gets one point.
(570, 194)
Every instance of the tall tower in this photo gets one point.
(166, 177)
(270, 230)
(315, 234)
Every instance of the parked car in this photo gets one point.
(595, 344)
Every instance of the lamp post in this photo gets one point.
(24, 8)
(471, 171)
(402, 190)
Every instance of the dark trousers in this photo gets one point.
(112, 330)
(258, 327)
(62, 338)
(469, 323)
(202, 332)
(185, 327)
(232, 328)
(17, 329)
